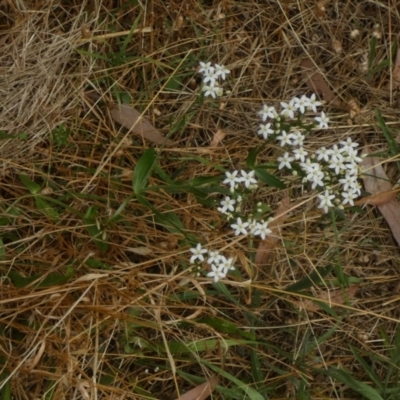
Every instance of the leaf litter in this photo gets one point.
(377, 183)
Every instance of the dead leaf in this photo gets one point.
(376, 182)
(375, 178)
(133, 120)
(200, 392)
(331, 298)
(265, 248)
(391, 212)
(377, 199)
(218, 137)
(317, 83)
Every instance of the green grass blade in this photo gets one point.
(143, 170)
(311, 280)
(360, 387)
(393, 146)
(248, 391)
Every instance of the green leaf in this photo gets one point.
(143, 170)
(252, 157)
(269, 179)
(224, 326)
(360, 387)
(47, 209)
(51, 279)
(248, 391)
(367, 368)
(33, 187)
(22, 135)
(311, 280)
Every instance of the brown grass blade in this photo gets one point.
(200, 392)
(396, 67)
(265, 248)
(317, 83)
(133, 120)
(332, 298)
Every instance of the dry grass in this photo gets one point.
(132, 321)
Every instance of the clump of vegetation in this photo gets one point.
(172, 227)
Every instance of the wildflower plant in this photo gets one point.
(331, 172)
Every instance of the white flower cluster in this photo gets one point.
(324, 169)
(211, 76)
(230, 205)
(219, 264)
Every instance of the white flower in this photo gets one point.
(206, 68)
(221, 71)
(217, 272)
(348, 181)
(226, 264)
(325, 200)
(247, 178)
(285, 161)
(262, 230)
(316, 177)
(297, 138)
(212, 90)
(288, 109)
(210, 78)
(214, 257)
(285, 138)
(265, 130)
(228, 204)
(231, 179)
(323, 154)
(267, 112)
(313, 103)
(337, 165)
(352, 156)
(252, 226)
(300, 154)
(240, 227)
(348, 197)
(301, 103)
(322, 120)
(336, 153)
(307, 165)
(197, 252)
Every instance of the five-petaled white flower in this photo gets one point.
(265, 130)
(231, 179)
(247, 178)
(326, 200)
(221, 71)
(267, 112)
(228, 204)
(240, 227)
(217, 272)
(288, 109)
(285, 161)
(262, 230)
(197, 252)
(322, 120)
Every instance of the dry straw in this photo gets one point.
(41, 73)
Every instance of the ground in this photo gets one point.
(98, 297)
